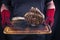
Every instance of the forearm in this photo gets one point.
(50, 9)
(5, 13)
(50, 12)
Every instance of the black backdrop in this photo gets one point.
(56, 29)
(56, 33)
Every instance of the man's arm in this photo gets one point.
(5, 13)
(50, 13)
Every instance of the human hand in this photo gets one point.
(49, 21)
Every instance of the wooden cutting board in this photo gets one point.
(9, 30)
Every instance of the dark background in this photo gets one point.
(56, 33)
(56, 29)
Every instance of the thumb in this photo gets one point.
(46, 22)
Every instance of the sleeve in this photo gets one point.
(5, 14)
(50, 16)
